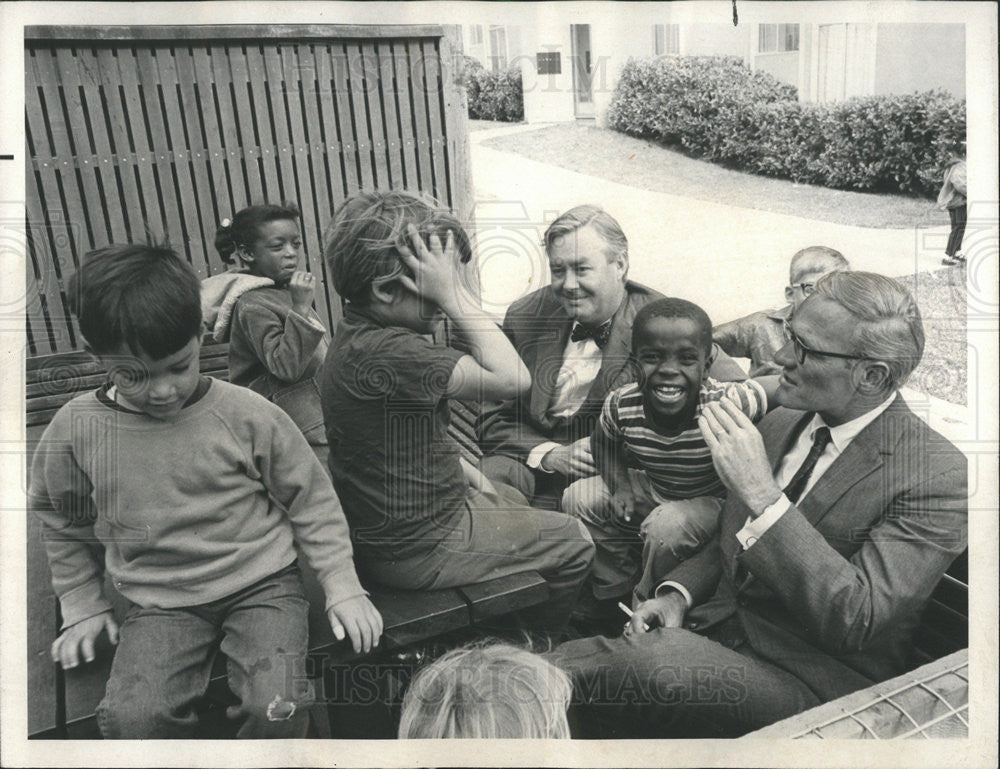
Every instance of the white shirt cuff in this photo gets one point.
(663, 587)
(538, 453)
(755, 528)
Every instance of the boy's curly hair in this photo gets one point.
(362, 242)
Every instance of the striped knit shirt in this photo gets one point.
(678, 466)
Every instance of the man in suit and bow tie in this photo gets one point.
(843, 512)
(574, 337)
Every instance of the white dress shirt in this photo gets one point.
(840, 438)
(581, 364)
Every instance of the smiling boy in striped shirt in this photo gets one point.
(657, 498)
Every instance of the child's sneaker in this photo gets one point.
(949, 260)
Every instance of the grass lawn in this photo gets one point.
(646, 165)
(482, 125)
(941, 296)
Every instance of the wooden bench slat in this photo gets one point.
(504, 595)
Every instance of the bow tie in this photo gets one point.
(600, 334)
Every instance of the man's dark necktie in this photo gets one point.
(600, 334)
(798, 483)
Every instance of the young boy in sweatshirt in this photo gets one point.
(198, 492)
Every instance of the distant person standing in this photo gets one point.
(953, 198)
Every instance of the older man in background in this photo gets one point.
(844, 511)
(574, 337)
(759, 335)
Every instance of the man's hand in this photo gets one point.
(738, 454)
(361, 620)
(81, 637)
(435, 269)
(572, 461)
(666, 611)
(302, 287)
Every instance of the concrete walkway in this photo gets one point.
(729, 260)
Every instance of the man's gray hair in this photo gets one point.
(603, 223)
(888, 328)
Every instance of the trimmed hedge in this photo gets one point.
(493, 95)
(718, 109)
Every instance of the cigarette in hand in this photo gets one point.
(629, 612)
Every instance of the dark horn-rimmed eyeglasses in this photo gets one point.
(801, 349)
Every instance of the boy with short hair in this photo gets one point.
(761, 334)
(198, 491)
(417, 521)
(654, 463)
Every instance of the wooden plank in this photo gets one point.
(505, 595)
(136, 181)
(345, 128)
(40, 610)
(386, 93)
(293, 68)
(214, 153)
(62, 71)
(404, 103)
(62, 161)
(59, 238)
(437, 144)
(45, 310)
(106, 74)
(310, 87)
(79, 361)
(148, 84)
(274, 77)
(197, 237)
(421, 124)
(371, 87)
(231, 131)
(243, 118)
(327, 121)
(154, 198)
(456, 110)
(359, 116)
(190, 104)
(199, 32)
(268, 162)
(89, 73)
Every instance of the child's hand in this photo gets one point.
(81, 636)
(435, 273)
(623, 503)
(302, 287)
(361, 621)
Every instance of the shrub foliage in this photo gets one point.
(493, 95)
(716, 108)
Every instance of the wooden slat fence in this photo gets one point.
(170, 130)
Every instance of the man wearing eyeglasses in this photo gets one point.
(844, 511)
(759, 335)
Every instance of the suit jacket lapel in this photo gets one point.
(862, 457)
(549, 353)
(615, 354)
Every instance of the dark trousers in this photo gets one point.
(958, 218)
(494, 539)
(536, 488)
(675, 683)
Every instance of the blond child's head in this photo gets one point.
(486, 692)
